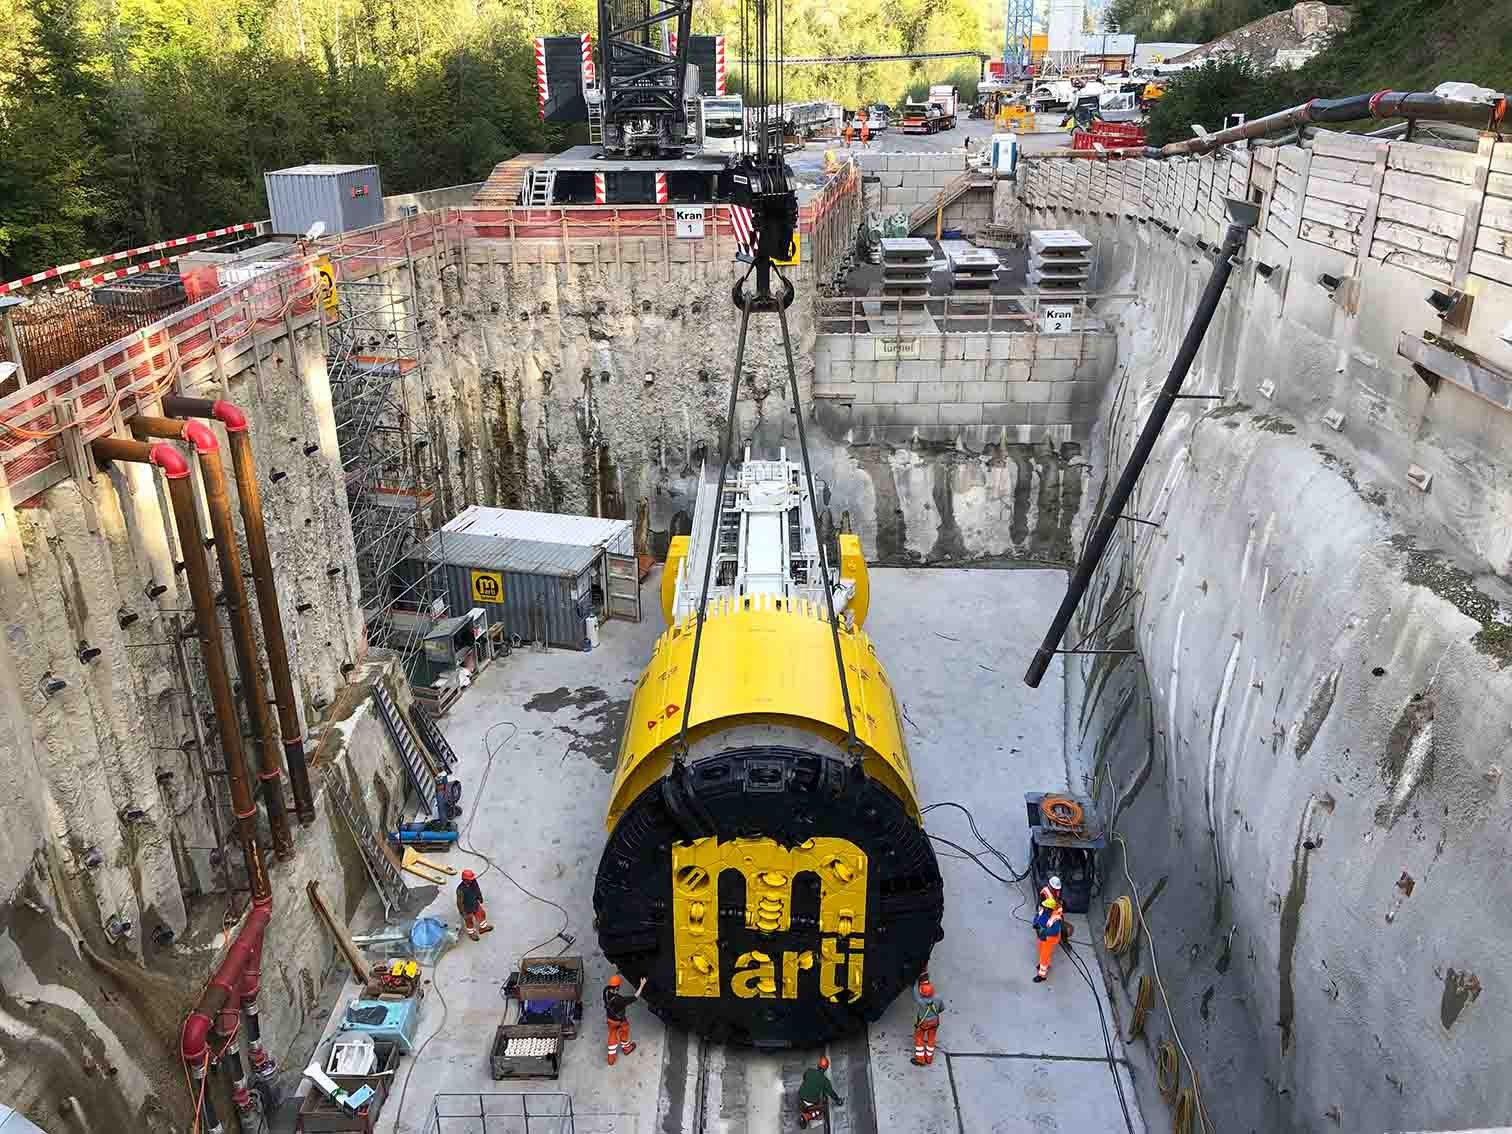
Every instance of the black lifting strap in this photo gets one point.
(747, 304)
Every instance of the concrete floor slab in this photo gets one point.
(955, 644)
(1030, 1096)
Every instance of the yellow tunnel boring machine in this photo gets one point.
(775, 885)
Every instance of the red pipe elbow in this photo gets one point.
(192, 1038)
(201, 436)
(230, 416)
(170, 460)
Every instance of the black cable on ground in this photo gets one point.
(468, 849)
(1102, 1019)
(1081, 966)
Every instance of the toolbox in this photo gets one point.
(526, 1051)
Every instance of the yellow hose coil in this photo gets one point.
(1142, 1001)
(1186, 1111)
(1118, 928)
(1167, 1070)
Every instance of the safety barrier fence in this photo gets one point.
(500, 1114)
(62, 270)
(910, 316)
(46, 425)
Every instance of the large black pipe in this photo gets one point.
(1243, 217)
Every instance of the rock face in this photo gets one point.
(1304, 753)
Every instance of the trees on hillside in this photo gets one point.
(125, 121)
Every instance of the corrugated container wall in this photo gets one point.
(529, 600)
(343, 197)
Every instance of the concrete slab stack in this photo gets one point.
(1060, 261)
(906, 264)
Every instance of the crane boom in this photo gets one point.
(644, 48)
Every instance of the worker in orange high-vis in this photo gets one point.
(850, 128)
(616, 1002)
(470, 905)
(866, 131)
(1051, 889)
(1049, 927)
(927, 1011)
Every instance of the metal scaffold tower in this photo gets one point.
(373, 362)
(1017, 39)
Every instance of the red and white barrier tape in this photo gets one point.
(96, 261)
(121, 273)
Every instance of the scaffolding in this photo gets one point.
(374, 365)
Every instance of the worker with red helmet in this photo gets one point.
(926, 1020)
(815, 1092)
(616, 1002)
(470, 905)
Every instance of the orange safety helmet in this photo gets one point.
(824, 1063)
(614, 981)
(469, 876)
(926, 989)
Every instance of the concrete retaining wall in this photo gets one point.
(1306, 750)
(974, 387)
(908, 180)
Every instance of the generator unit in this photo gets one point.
(1064, 841)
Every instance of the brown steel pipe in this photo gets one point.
(234, 587)
(239, 441)
(191, 543)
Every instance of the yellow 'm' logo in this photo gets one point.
(770, 870)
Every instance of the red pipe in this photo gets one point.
(221, 1000)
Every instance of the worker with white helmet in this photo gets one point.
(1049, 926)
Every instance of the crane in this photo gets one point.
(644, 48)
(905, 57)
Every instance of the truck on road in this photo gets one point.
(936, 114)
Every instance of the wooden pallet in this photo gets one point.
(502, 189)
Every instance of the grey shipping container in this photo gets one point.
(541, 588)
(344, 197)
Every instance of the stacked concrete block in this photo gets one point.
(972, 268)
(906, 264)
(1060, 260)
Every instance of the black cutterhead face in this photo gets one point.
(774, 897)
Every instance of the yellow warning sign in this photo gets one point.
(487, 586)
(327, 284)
(791, 259)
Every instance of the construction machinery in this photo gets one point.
(936, 113)
(644, 81)
(773, 880)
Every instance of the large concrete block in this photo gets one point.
(871, 161)
(984, 391)
(1062, 346)
(973, 346)
(1063, 413)
(1086, 393)
(939, 391)
(917, 370)
(960, 413)
(915, 415)
(998, 345)
(1053, 369)
(841, 347)
(890, 179)
(844, 391)
(919, 179)
(903, 161)
(1015, 370)
(1005, 413)
(1021, 344)
(863, 348)
(895, 393)
(1030, 392)
(960, 370)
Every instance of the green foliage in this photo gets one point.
(1395, 44)
(126, 121)
(1206, 95)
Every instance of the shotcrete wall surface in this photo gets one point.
(603, 386)
(102, 782)
(1305, 753)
